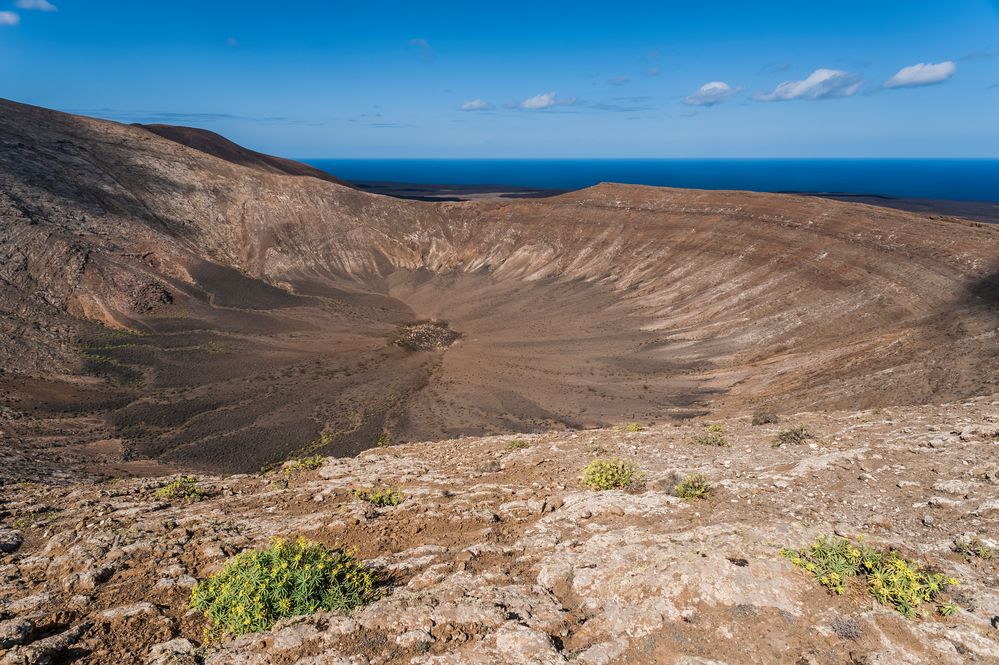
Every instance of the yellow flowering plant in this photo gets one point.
(610, 474)
(257, 588)
(890, 579)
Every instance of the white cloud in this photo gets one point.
(922, 74)
(821, 84)
(40, 5)
(541, 101)
(710, 94)
(476, 105)
(618, 80)
(419, 43)
(9, 18)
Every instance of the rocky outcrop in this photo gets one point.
(498, 554)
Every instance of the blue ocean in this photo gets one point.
(955, 179)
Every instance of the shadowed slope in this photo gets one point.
(267, 303)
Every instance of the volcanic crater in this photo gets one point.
(206, 308)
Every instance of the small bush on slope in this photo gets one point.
(765, 418)
(714, 436)
(694, 486)
(305, 464)
(257, 588)
(380, 497)
(792, 436)
(892, 580)
(973, 548)
(610, 474)
(630, 427)
(185, 487)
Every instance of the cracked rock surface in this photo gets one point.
(499, 555)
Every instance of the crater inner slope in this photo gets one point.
(228, 316)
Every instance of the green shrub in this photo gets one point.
(948, 609)
(305, 464)
(380, 497)
(765, 418)
(792, 436)
(610, 474)
(892, 580)
(257, 588)
(185, 487)
(518, 444)
(694, 486)
(972, 548)
(384, 440)
(630, 427)
(714, 436)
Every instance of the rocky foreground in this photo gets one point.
(499, 555)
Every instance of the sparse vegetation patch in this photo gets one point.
(765, 418)
(792, 436)
(305, 464)
(630, 427)
(713, 436)
(694, 486)
(380, 497)
(185, 487)
(610, 474)
(257, 588)
(518, 444)
(972, 548)
(891, 579)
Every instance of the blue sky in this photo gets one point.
(536, 79)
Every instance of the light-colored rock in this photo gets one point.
(292, 637)
(179, 651)
(14, 632)
(45, 651)
(130, 611)
(958, 487)
(10, 540)
(520, 644)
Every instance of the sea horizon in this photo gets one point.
(946, 178)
